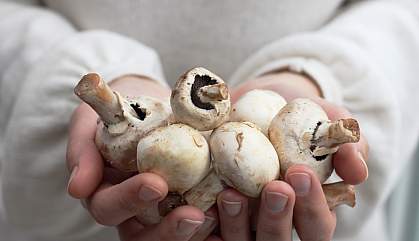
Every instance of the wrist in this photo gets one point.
(135, 85)
(288, 84)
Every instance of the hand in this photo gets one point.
(275, 214)
(312, 218)
(115, 198)
(302, 201)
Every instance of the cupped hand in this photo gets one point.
(281, 206)
(114, 198)
(311, 215)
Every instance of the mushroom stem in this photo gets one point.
(339, 193)
(331, 134)
(215, 92)
(95, 92)
(204, 195)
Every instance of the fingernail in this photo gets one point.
(187, 227)
(301, 182)
(365, 164)
(148, 193)
(231, 208)
(276, 201)
(73, 174)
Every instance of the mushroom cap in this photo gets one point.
(259, 107)
(178, 153)
(189, 109)
(118, 142)
(291, 132)
(243, 157)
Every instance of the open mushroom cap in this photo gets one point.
(259, 107)
(123, 121)
(178, 153)
(291, 133)
(200, 99)
(118, 142)
(243, 157)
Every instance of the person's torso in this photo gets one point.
(219, 35)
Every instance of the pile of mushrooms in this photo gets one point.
(202, 145)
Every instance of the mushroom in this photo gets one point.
(200, 99)
(123, 121)
(243, 158)
(180, 155)
(259, 107)
(302, 134)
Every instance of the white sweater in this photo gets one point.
(365, 57)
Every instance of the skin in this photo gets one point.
(113, 198)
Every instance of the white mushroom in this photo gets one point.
(200, 99)
(243, 157)
(178, 153)
(302, 134)
(123, 121)
(259, 107)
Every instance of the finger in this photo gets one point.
(211, 221)
(276, 212)
(178, 225)
(114, 176)
(234, 217)
(213, 238)
(181, 224)
(83, 158)
(130, 230)
(312, 217)
(138, 195)
(349, 160)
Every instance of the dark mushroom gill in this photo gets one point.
(201, 81)
(141, 112)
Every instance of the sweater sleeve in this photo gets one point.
(42, 56)
(365, 59)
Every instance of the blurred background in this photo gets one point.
(403, 206)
